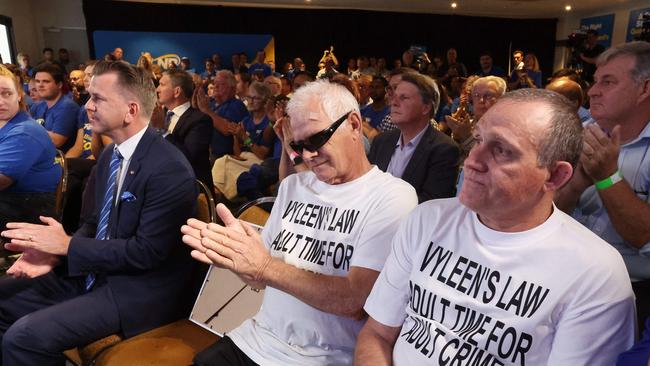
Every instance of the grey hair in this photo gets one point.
(563, 140)
(501, 84)
(334, 98)
(640, 51)
(229, 76)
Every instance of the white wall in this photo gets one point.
(571, 23)
(34, 20)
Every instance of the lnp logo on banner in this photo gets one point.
(165, 61)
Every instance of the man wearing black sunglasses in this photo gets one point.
(322, 248)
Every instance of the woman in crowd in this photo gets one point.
(28, 172)
(249, 145)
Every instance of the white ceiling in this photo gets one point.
(497, 8)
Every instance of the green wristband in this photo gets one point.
(609, 181)
(248, 142)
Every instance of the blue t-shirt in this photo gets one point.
(256, 132)
(27, 156)
(61, 118)
(375, 116)
(233, 110)
(83, 122)
(264, 68)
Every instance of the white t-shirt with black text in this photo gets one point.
(325, 229)
(464, 294)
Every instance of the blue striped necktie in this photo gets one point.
(107, 205)
(168, 119)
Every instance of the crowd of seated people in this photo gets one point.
(504, 166)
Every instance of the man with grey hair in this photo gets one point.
(323, 245)
(228, 112)
(499, 275)
(125, 270)
(416, 152)
(609, 191)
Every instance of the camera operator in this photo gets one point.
(590, 52)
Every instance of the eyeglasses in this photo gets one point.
(484, 97)
(317, 140)
(254, 99)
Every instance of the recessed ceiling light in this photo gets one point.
(454, 5)
(567, 8)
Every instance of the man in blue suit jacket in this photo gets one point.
(122, 274)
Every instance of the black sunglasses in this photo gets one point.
(317, 140)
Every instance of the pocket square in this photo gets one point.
(127, 197)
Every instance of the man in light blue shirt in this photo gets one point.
(417, 152)
(609, 191)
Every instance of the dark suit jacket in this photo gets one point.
(433, 168)
(145, 263)
(192, 135)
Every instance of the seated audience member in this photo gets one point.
(256, 182)
(484, 92)
(417, 152)
(487, 66)
(237, 67)
(312, 307)
(210, 70)
(80, 161)
(452, 68)
(229, 111)
(259, 67)
(24, 64)
(364, 67)
(353, 70)
(363, 83)
(243, 82)
(298, 66)
(286, 89)
(572, 75)
(216, 60)
(393, 80)
(79, 93)
(56, 112)
(274, 83)
(28, 173)
(456, 289)
(127, 274)
(381, 68)
(186, 65)
(609, 190)
(249, 146)
(186, 127)
(529, 76)
(569, 89)
(376, 111)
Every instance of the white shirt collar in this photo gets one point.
(127, 148)
(178, 111)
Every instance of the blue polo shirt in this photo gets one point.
(61, 118)
(83, 122)
(27, 156)
(233, 110)
(375, 116)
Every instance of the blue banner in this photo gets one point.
(635, 24)
(167, 47)
(603, 24)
